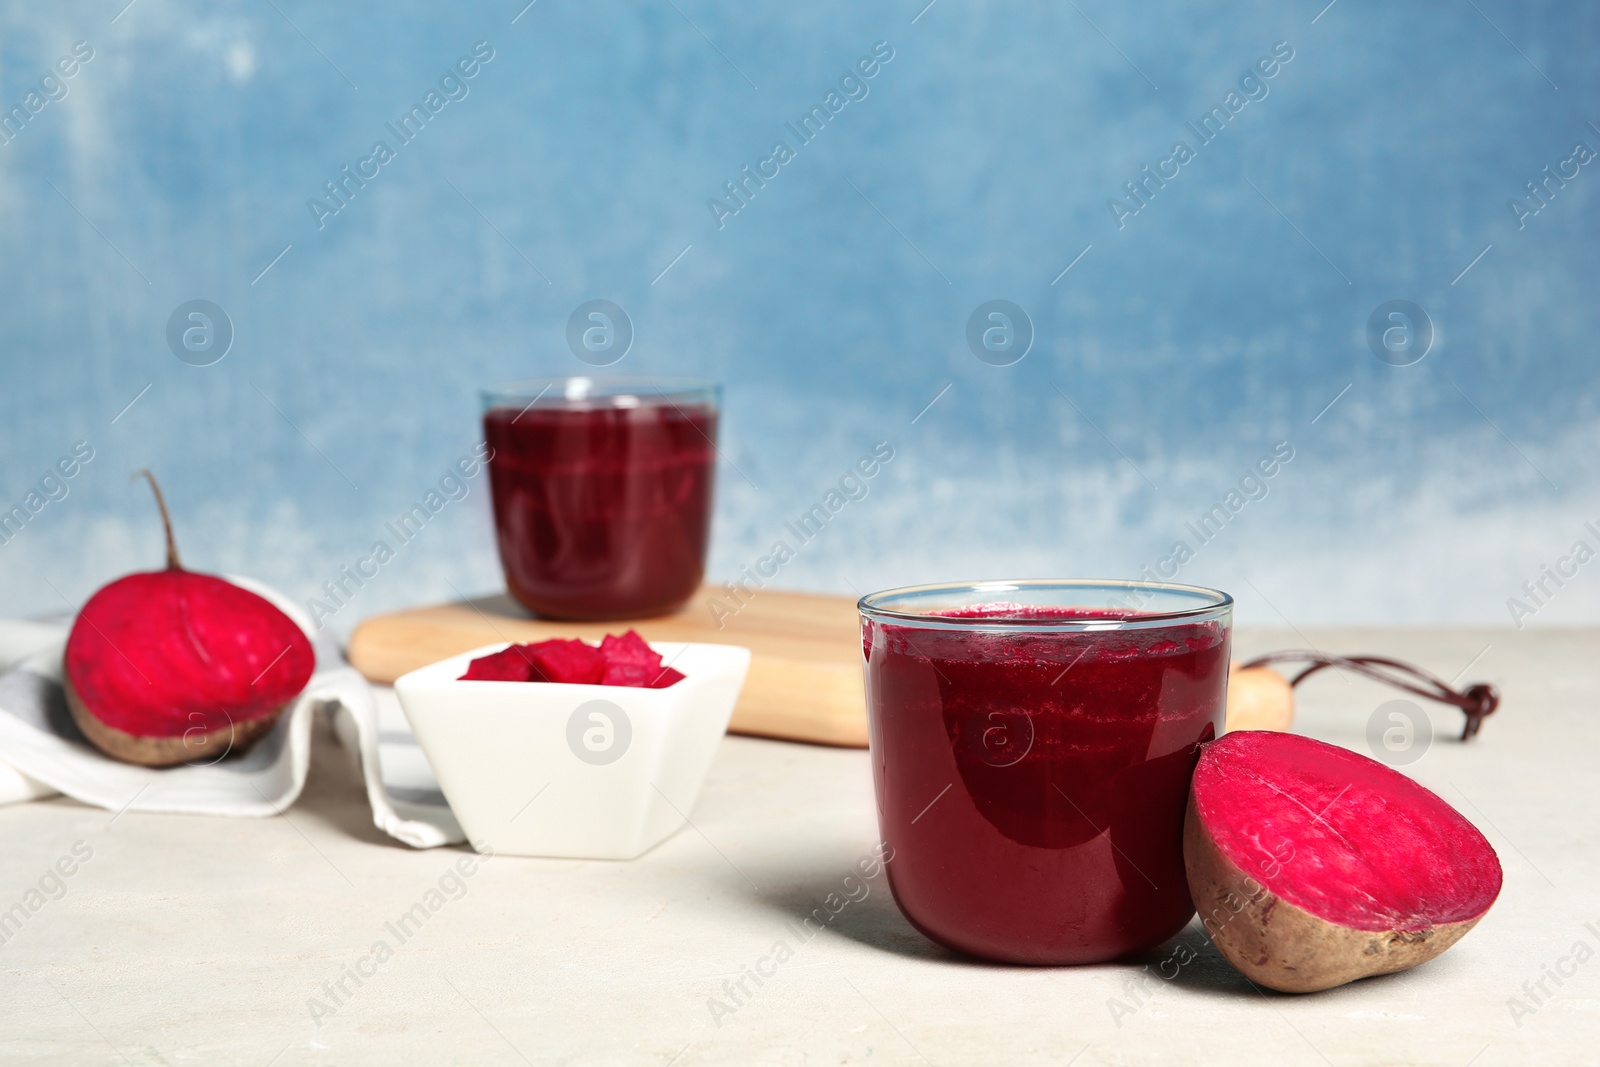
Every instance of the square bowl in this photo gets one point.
(573, 771)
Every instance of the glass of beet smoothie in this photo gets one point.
(1032, 744)
(602, 492)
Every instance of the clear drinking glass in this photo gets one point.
(602, 492)
(1032, 743)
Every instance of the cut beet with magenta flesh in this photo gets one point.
(1312, 865)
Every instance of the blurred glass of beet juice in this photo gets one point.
(602, 492)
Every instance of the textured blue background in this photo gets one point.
(1220, 321)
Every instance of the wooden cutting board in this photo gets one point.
(805, 666)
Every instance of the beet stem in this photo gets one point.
(173, 563)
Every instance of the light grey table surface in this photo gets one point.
(209, 941)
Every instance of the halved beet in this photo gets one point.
(1312, 866)
(165, 667)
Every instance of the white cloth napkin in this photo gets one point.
(42, 752)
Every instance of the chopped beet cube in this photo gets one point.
(631, 674)
(570, 661)
(629, 648)
(629, 661)
(508, 665)
(667, 677)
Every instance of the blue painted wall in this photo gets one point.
(1188, 339)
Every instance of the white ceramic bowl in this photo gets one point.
(575, 771)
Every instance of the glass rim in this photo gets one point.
(560, 389)
(1216, 604)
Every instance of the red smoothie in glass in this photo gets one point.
(1032, 783)
(602, 506)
